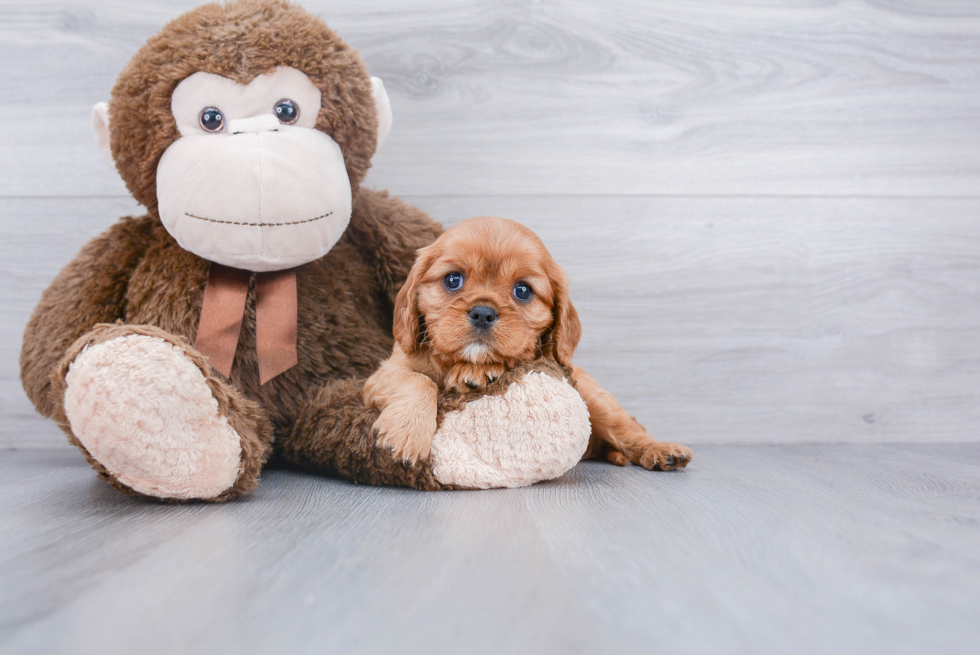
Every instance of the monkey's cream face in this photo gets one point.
(251, 183)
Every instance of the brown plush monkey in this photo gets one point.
(245, 130)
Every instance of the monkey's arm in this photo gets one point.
(89, 290)
(388, 232)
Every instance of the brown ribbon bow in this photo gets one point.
(275, 319)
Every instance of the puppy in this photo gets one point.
(483, 297)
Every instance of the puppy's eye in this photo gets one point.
(453, 281)
(522, 291)
(286, 111)
(211, 119)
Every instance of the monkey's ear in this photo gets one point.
(100, 123)
(383, 105)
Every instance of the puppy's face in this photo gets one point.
(487, 292)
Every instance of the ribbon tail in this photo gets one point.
(275, 322)
(221, 316)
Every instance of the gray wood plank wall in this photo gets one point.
(768, 210)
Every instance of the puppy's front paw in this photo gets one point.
(406, 431)
(468, 377)
(661, 456)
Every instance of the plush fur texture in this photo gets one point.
(244, 416)
(333, 434)
(142, 408)
(537, 429)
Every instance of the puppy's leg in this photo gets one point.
(599, 449)
(618, 437)
(408, 403)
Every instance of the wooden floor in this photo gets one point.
(770, 216)
(754, 549)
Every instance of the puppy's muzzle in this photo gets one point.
(482, 317)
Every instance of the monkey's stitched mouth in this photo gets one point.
(214, 220)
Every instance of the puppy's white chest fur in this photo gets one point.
(474, 353)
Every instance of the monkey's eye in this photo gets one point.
(453, 281)
(212, 120)
(522, 291)
(286, 111)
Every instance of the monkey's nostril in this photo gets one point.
(482, 316)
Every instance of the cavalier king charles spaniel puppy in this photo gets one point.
(483, 297)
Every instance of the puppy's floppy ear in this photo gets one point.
(566, 330)
(407, 326)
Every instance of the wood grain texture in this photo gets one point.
(753, 549)
(572, 96)
(714, 320)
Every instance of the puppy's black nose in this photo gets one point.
(482, 316)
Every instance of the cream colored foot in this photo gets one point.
(145, 412)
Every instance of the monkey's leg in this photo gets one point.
(153, 418)
(333, 434)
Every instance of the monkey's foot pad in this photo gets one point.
(144, 411)
(530, 425)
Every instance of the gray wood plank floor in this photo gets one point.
(754, 549)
